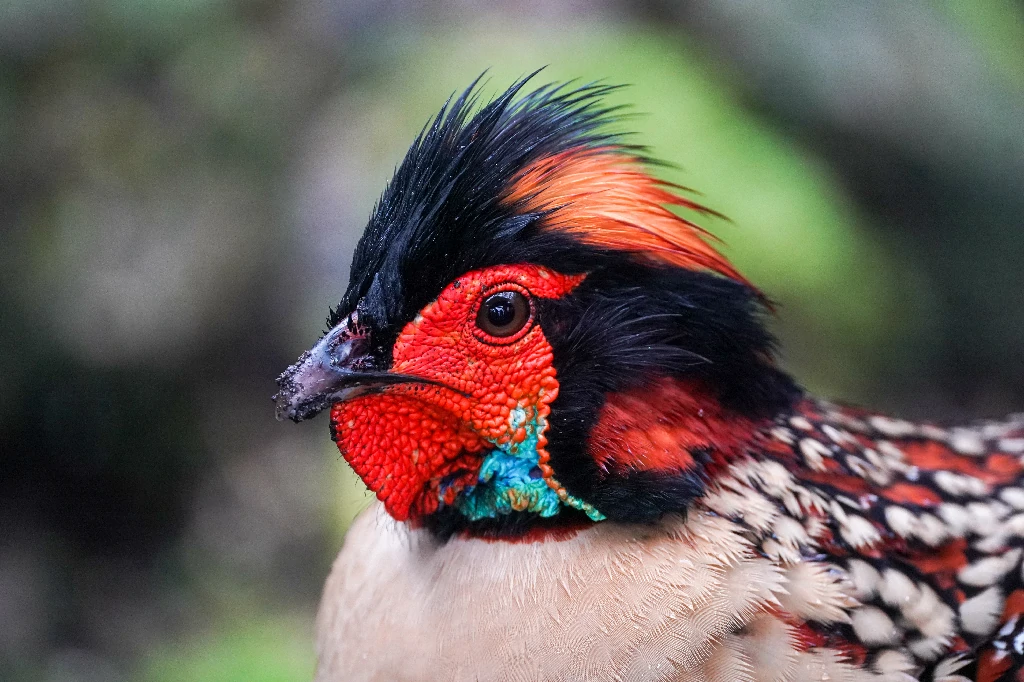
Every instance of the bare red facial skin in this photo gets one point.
(417, 444)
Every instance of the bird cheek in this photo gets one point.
(407, 451)
(504, 417)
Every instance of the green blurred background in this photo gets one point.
(182, 183)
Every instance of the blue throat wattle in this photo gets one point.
(510, 479)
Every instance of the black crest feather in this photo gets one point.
(442, 215)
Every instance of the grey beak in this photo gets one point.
(327, 373)
(337, 368)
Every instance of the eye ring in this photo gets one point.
(503, 314)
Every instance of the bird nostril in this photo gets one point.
(345, 343)
(347, 348)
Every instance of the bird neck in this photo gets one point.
(649, 452)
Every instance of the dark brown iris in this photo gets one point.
(503, 314)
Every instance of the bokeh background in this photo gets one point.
(182, 183)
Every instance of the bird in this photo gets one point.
(588, 463)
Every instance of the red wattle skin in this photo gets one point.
(402, 445)
(410, 440)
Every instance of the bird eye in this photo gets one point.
(503, 314)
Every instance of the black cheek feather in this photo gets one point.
(644, 496)
(448, 522)
(625, 326)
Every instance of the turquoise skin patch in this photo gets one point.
(510, 479)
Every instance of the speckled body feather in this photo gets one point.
(840, 546)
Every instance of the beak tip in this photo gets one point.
(278, 413)
(285, 411)
(289, 404)
(287, 400)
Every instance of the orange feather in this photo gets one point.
(607, 199)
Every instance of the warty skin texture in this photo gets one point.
(621, 484)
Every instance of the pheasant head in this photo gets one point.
(531, 334)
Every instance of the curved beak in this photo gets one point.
(336, 368)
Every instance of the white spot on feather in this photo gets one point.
(960, 484)
(931, 530)
(790, 534)
(783, 434)
(901, 520)
(1013, 446)
(894, 428)
(947, 668)
(894, 664)
(933, 432)
(988, 571)
(813, 593)
(801, 423)
(890, 451)
(814, 453)
(967, 442)
(838, 436)
(1013, 497)
(929, 648)
(956, 518)
(896, 589)
(864, 577)
(980, 613)
(873, 627)
(930, 615)
(859, 532)
(985, 516)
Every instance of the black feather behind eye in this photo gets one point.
(625, 326)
